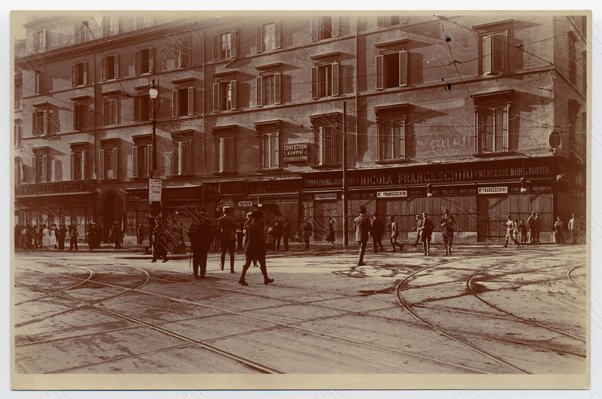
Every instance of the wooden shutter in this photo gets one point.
(191, 101)
(116, 66)
(379, 72)
(84, 163)
(259, 91)
(45, 124)
(101, 164)
(259, 38)
(321, 149)
(231, 154)
(499, 58)
(487, 54)
(335, 79)
(315, 28)
(277, 35)
(115, 164)
(506, 128)
(314, 83)
(216, 47)
(233, 94)
(234, 36)
(336, 26)
(74, 75)
(402, 138)
(403, 68)
(135, 170)
(174, 103)
(277, 88)
(85, 72)
(72, 166)
(45, 168)
(151, 59)
(137, 62)
(216, 97)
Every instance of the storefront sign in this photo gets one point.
(298, 152)
(83, 187)
(392, 194)
(325, 196)
(155, 189)
(493, 190)
(245, 204)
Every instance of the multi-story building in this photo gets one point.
(480, 114)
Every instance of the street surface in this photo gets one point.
(484, 310)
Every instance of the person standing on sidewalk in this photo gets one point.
(255, 249)
(448, 227)
(61, 234)
(159, 241)
(227, 229)
(307, 230)
(394, 231)
(537, 224)
(116, 233)
(330, 237)
(200, 239)
(426, 232)
(572, 228)
(531, 227)
(558, 226)
(378, 230)
(286, 232)
(362, 232)
(510, 230)
(277, 232)
(417, 228)
(72, 237)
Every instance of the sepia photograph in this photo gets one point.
(300, 200)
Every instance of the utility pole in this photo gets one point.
(345, 209)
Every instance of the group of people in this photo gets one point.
(201, 236)
(528, 232)
(45, 237)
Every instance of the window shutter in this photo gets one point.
(137, 108)
(335, 79)
(45, 124)
(402, 138)
(179, 159)
(321, 149)
(73, 166)
(45, 168)
(85, 72)
(315, 28)
(191, 101)
(506, 128)
(103, 67)
(174, 103)
(101, 164)
(233, 94)
(259, 38)
(151, 59)
(115, 164)
(116, 66)
(216, 47)
(135, 161)
(188, 156)
(486, 55)
(336, 30)
(84, 163)
(137, 62)
(277, 88)
(234, 44)
(216, 97)
(403, 68)
(73, 75)
(231, 155)
(259, 91)
(314, 83)
(45, 38)
(278, 35)
(379, 72)
(499, 45)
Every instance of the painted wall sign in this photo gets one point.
(298, 152)
(83, 187)
(155, 189)
(493, 190)
(325, 196)
(392, 194)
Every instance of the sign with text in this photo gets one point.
(493, 190)
(245, 204)
(155, 189)
(392, 194)
(325, 196)
(298, 152)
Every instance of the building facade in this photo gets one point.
(481, 114)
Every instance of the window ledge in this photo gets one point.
(393, 161)
(269, 170)
(327, 166)
(182, 176)
(229, 173)
(495, 154)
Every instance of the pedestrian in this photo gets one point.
(116, 233)
(53, 237)
(572, 228)
(286, 232)
(246, 233)
(239, 235)
(227, 230)
(537, 225)
(330, 236)
(73, 237)
(278, 232)
(159, 241)
(531, 227)
(426, 232)
(558, 226)
(378, 230)
(448, 227)
(307, 230)
(522, 232)
(140, 234)
(394, 233)
(255, 249)
(200, 239)
(510, 229)
(269, 236)
(362, 232)
(417, 227)
(60, 236)
(45, 237)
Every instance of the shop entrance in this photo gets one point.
(492, 211)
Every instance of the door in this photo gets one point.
(492, 211)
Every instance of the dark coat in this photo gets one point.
(378, 228)
(200, 235)
(256, 239)
(362, 228)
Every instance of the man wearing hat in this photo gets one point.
(362, 232)
(200, 240)
(227, 230)
(426, 232)
(255, 249)
(448, 226)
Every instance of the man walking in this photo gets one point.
(394, 230)
(531, 227)
(448, 226)
(159, 241)
(307, 230)
(573, 229)
(537, 224)
(378, 230)
(362, 232)
(417, 228)
(255, 249)
(200, 240)
(510, 229)
(426, 231)
(227, 229)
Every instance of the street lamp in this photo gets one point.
(153, 93)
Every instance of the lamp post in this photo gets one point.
(153, 93)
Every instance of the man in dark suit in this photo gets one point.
(362, 232)
(426, 232)
(378, 230)
(255, 249)
(200, 235)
